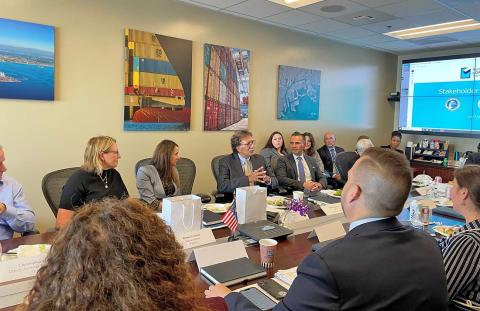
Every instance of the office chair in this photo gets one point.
(219, 197)
(52, 186)
(344, 162)
(186, 172)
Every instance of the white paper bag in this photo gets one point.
(183, 213)
(251, 204)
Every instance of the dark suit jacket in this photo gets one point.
(232, 176)
(473, 158)
(287, 174)
(381, 265)
(327, 158)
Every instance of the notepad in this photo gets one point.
(233, 271)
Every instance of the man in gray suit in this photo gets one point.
(243, 167)
(297, 170)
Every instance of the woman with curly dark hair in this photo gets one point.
(114, 255)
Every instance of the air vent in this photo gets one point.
(364, 18)
(332, 8)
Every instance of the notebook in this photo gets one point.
(263, 229)
(233, 271)
(211, 218)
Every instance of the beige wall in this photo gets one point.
(457, 143)
(43, 136)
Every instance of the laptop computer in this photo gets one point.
(263, 229)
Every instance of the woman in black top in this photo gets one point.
(95, 180)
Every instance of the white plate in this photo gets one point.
(449, 203)
(438, 230)
(217, 207)
(278, 198)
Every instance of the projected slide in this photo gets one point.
(441, 96)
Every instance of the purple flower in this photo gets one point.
(298, 207)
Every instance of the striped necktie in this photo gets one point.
(301, 170)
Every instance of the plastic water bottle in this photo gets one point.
(415, 214)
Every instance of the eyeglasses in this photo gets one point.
(249, 144)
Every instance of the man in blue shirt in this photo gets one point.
(15, 214)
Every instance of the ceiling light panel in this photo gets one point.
(295, 4)
(434, 30)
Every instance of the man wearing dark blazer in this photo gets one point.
(243, 168)
(380, 264)
(297, 170)
(328, 153)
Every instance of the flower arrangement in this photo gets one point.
(298, 207)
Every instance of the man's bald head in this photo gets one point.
(329, 139)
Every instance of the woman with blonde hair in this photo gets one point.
(160, 179)
(95, 180)
(115, 255)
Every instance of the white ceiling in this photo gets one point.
(379, 16)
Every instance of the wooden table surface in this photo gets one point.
(289, 253)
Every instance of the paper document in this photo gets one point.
(330, 231)
(211, 255)
(332, 209)
(287, 276)
(423, 190)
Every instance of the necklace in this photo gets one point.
(105, 180)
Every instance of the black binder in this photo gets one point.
(233, 271)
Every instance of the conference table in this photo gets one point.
(289, 253)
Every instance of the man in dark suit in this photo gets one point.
(297, 170)
(328, 153)
(243, 168)
(380, 264)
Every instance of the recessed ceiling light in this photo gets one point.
(295, 4)
(433, 30)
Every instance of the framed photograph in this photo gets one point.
(27, 60)
(226, 78)
(298, 93)
(158, 74)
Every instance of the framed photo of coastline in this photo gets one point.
(298, 93)
(27, 60)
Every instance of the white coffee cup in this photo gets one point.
(298, 195)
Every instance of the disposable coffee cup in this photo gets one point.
(267, 252)
(298, 195)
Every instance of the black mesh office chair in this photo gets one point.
(219, 197)
(345, 161)
(186, 173)
(52, 185)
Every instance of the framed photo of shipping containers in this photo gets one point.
(27, 60)
(298, 93)
(158, 78)
(226, 78)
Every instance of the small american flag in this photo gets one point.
(230, 219)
